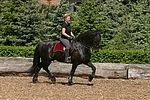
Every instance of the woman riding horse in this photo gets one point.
(66, 36)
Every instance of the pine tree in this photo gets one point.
(89, 16)
(52, 19)
(8, 16)
(27, 26)
(92, 15)
(131, 23)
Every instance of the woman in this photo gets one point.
(66, 36)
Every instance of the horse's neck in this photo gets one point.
(84, 43)
(82, 50)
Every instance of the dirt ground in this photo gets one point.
(22, 88)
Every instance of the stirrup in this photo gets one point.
(68, 59)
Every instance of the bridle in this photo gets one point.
(86, 46)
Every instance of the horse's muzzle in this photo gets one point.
(95, 50)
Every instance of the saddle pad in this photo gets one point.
(58, 47)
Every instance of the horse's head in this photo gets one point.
(90, 39)
(95, 41)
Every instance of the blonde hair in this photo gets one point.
(65, 16)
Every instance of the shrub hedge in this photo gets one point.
(122, 56)
(103, 56)
(16, 51)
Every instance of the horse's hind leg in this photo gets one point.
(35, 77)
(51, 76)
(93, 71)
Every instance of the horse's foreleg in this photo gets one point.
(74, 66)
(93, 71)
(35, 77)
(51, 76)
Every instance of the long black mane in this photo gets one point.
(87, 38)
(86, 35)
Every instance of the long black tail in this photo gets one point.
(36, 61)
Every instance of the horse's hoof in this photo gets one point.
(70, 83)
(53, 79)
(35, 81)
(90, 78)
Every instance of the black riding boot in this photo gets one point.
(67, 57)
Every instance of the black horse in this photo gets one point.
(81, 54)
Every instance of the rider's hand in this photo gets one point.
(70, 38)
(73, 37)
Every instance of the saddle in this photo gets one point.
(61, 48)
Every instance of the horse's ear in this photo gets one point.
(98, 32)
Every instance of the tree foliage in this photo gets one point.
(90, 16)
(124, 24)
(29, 22)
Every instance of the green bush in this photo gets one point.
(121, 56)
(103, 56)
(16, 51)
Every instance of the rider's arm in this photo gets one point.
(64, 33)
(72, 34)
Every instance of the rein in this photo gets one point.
(86, 46)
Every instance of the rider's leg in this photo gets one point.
(67, 57)
(67, 44)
